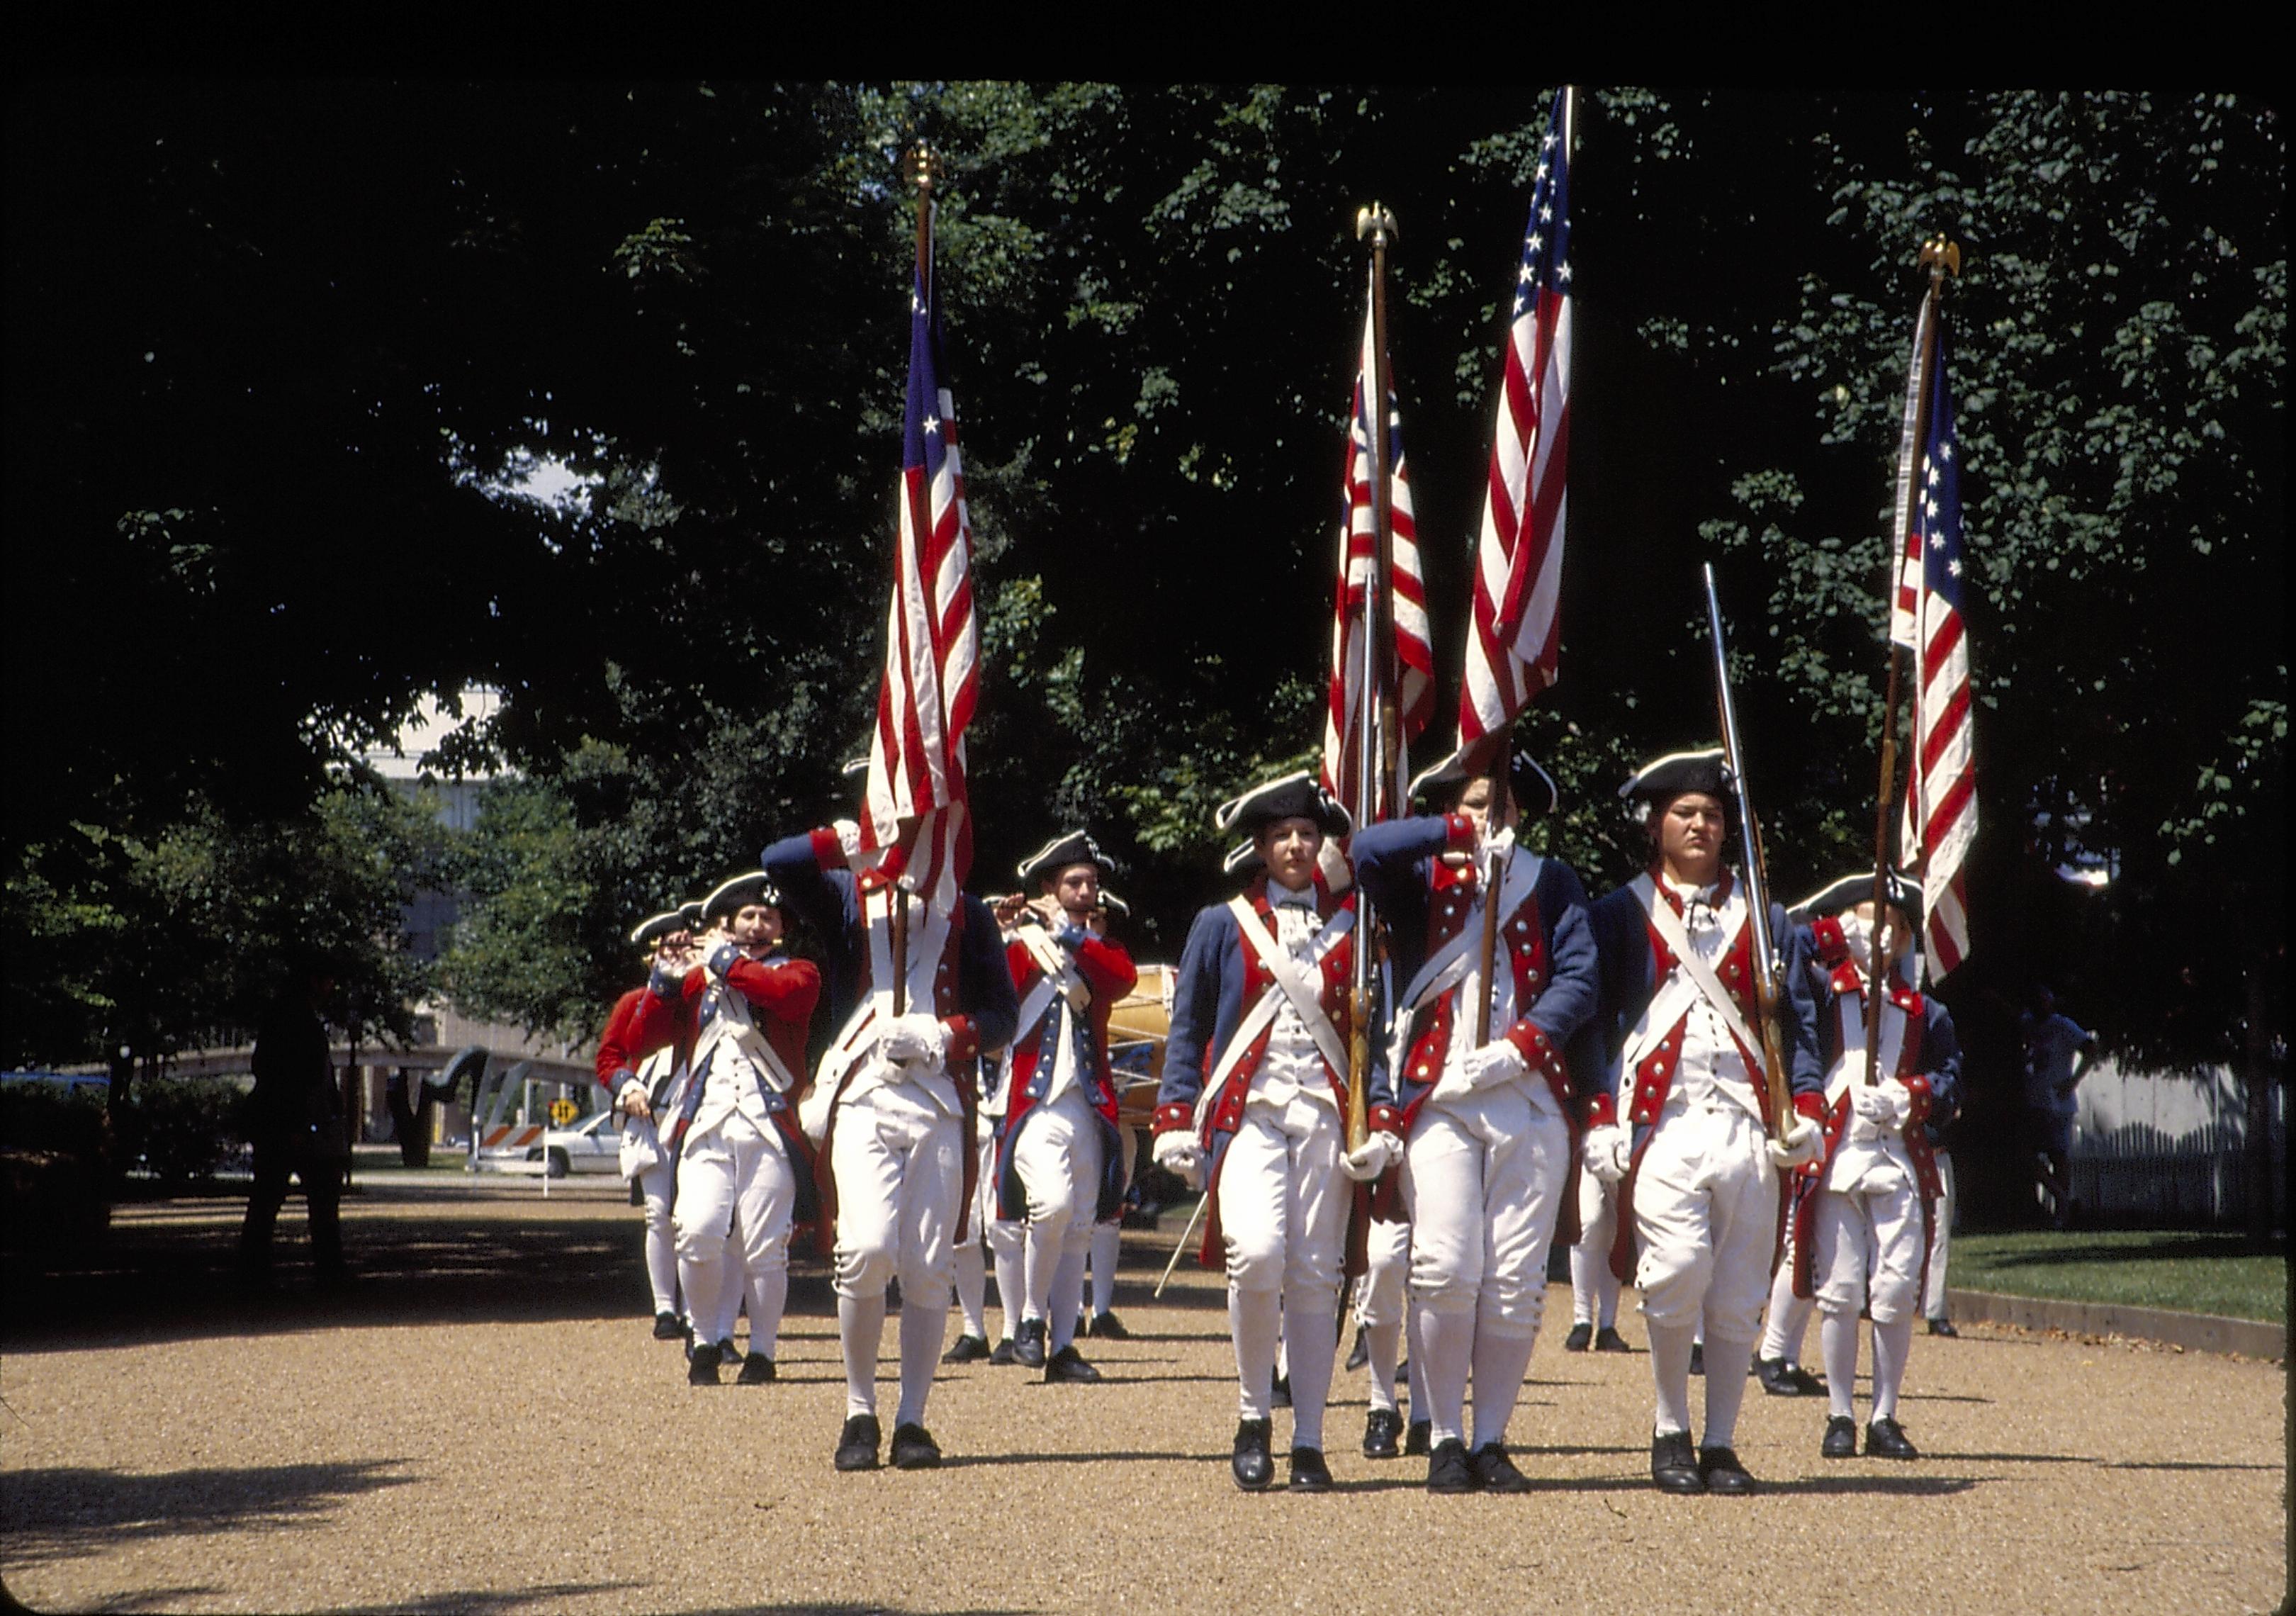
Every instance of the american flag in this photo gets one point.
(1941, 815)
(1406, 615)
(915, 816)
(1513, 631)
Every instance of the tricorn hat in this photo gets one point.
(1068, 848)
(1904, 895)
(1671, 776)
(1532, 787)
(756, 887)
(653, 928)
(1296, 796)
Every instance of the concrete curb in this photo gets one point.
(2194, 1331)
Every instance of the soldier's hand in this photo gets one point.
(634, 1104)
(1177, 1152)
(1608, 1152)
(1009, 909)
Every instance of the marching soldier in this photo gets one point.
(1252, 1103)
(893, 1102)
(1700, 1188)
(1868, 1206)
(1487, 1105)
(743, 1168)
(643, 1082)
(1060, 1164)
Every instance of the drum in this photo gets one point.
(1137, 1024)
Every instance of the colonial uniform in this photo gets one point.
(893, 1104)
(1701, 1188)
(1489, 1124)
(1862, 1215)
(1058, 1163)
(742, 1164)
(1253, 1098)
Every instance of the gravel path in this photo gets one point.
(484, 1424)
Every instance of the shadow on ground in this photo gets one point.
(61, 1512)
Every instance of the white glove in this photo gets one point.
(1608, 1152)
(915, 1038)
(849, 837)
(1378, 1151)
(1178, 1151)
(1496, 1062)
(1885, 1105)
(1802, 1144)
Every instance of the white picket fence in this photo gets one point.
(2157, 1147)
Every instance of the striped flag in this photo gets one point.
(1514, 628)
(914, 814)
(1410, 660)
(1940, 813)
(1905, 586)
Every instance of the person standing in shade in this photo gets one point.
(295, 1124)
(2058, 1051)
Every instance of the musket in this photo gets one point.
(1941, 258)
(1376, 718)
(1757, 893)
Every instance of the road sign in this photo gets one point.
(562, 1113)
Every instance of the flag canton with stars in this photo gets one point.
(1547, 243)
(1941, 507)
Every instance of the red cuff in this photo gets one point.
(963, 1038)
(1386, 1120)
(1812, 1106)
(1530, 1040)
(1601, 1110)
(828, 852)
(1832, 948)
(1458, 833)
(1175, 1117)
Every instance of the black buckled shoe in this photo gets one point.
(1781, 1379)
(1448, 1469)
(1107, 1327)
(1417, 1436)
(856, 1444)
(1719, 1469)
(1029, 1345)
(914, 1448)
(666, 1327)
(1309, 1473)
(1359, 1354)
(1067, 1367)
(1279, 1392)
(966, 1349)
(701, 1366)
(1942, 1325)
(1608, 1339)
(756, 1370)
(1495, 1472)
(1254, 1463)
(1886, 1440)
(1674, 1464)
(1581, 1337)
(1381, 1427)
(1004, 1353)
(1698, 1358)
(1841, 1438)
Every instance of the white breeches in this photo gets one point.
(899, 1165)
(1875, 1228)
(1058, 1156)
(733, 1183)
(1706, 1212)
(1933, 1297)
(656, 1185)
(1387, 1264)
(1283, 1200)
(1484, 1176)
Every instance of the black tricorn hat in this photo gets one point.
(1663, 778)
(653, 928)
(1068, 848)
(1904, 895)
(1298, 796)
(1532, 787)
(756, 887)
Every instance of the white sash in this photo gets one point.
(731, 1024)
(928, 940)
(1849, 1066)
(1303, 992)
(1694, 980)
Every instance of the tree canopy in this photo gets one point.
(281, 359)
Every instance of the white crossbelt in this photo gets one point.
(928, 939)
(1303, 994)
(1695, 979)
(1444, 968)
(1849, 1066)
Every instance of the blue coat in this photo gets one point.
(1557, 974)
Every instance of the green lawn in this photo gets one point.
(2159, 1268)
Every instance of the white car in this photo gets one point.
(592, 1146)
